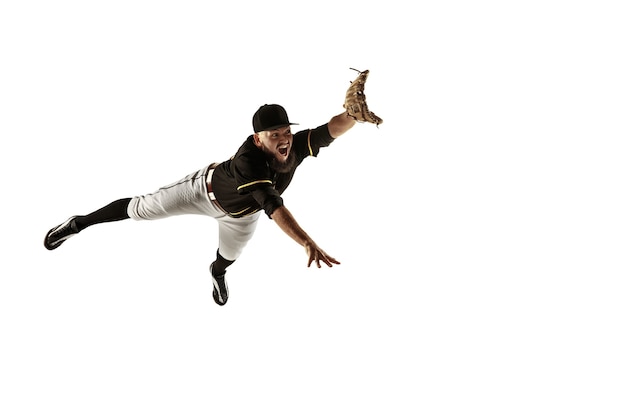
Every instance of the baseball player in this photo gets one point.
(235, 192)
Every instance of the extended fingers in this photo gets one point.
(317, 255)
(313, 257)
(328, 260)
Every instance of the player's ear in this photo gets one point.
(257, 140)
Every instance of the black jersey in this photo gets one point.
(246, 184)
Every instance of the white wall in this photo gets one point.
(480, 227)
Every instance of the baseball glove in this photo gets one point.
(356, 104)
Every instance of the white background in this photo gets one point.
(481, 227)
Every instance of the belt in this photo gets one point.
(209, 187)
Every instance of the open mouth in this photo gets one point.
(283, 150)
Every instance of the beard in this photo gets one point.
(281, 167)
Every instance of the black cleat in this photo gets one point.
(220, 288)
(59, 234)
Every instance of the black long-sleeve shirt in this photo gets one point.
(246, 183)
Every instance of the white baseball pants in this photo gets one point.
(190, 196)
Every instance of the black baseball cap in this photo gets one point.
(269, 117)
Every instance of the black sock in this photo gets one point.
(220, 264)
(113, 212)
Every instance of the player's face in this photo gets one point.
(276, 143)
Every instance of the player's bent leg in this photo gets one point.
(234, 235)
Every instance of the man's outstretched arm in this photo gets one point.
(285, 220)
(340, 124)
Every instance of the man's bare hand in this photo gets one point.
(317, 255)
(288, 224)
